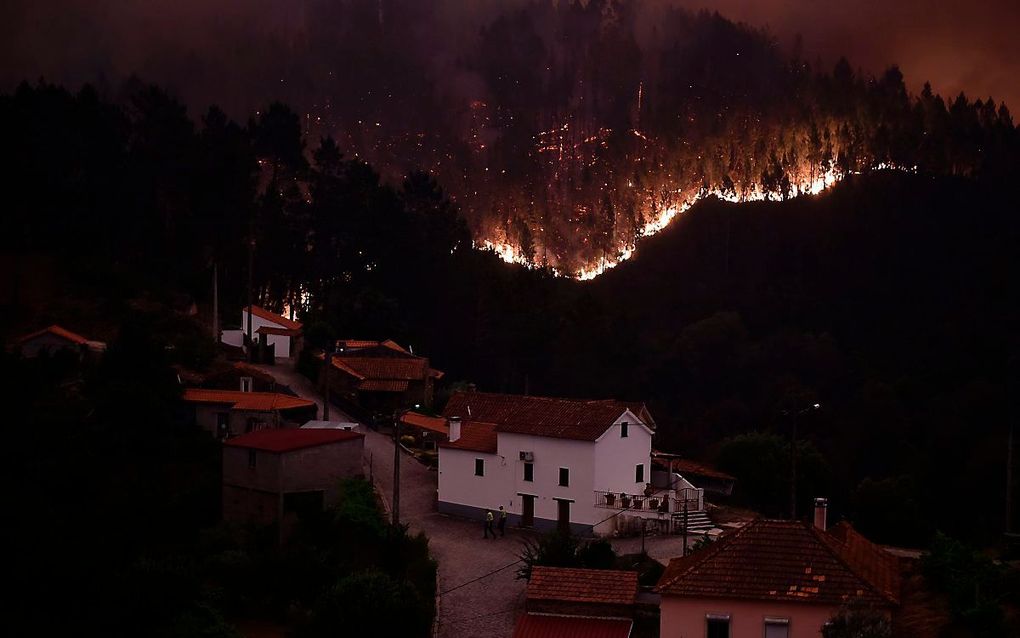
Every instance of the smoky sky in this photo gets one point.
(225, 52)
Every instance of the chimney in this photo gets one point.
(454, 428)
(821, 513)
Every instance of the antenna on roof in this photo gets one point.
(410, 348)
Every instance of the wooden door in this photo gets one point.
(563, 516)
(527, 511)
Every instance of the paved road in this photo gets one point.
(486, 607)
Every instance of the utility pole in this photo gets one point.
(251, 301)
(396, 468)
(325, 394)
(1009, 480)
(793, 457)
(685, 526)
(215, 304)
(793, 470)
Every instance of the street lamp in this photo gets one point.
(397, 418)
(793, 455)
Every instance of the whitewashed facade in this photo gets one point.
(611, 463)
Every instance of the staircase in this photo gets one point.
(698, 523)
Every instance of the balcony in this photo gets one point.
(653, 503)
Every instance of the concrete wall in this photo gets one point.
(321, 467)
(683, 617)
(206, 416)
(252, 493)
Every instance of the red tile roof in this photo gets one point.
(543, 626)
(476, 437)
(285, 332)
(689, 466)
(579, 419)
(288, 440)
(876, 565)
(253, 401)
(279, 320)
(383, 385)
(405, 368)
(362, 344)
(431, 423)
(785, 561)
(56, 331)
(603, 586)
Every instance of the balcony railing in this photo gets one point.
(659, 502)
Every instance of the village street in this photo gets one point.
(479, 594)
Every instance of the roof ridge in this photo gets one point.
(835, 546)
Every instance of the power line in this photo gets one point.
(507, 566)
(475, 580)
(492, 613)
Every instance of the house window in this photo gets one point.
(624, 427)
(639, 473)
(479, 467)
(777, 627)
(246, 383)
(529, 472)
(564, 477)
(717, 626)
(252, 459)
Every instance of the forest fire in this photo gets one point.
(661, 218)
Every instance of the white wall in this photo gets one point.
(550, 455)
(233, 337)
(459, 485)
(282, 342)
(617, 457)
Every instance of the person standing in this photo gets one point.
(502, 521)
(488, 525)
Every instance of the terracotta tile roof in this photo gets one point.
(286, 332)
(252, 401)
(877, 566)
(407, 369)
(604, 586)
(363, 344)
(690, 466)
(56, 331)
(475, 436)
(431, 423)
(579, 419)
(785, 561)
(279, 320)
(288, 440)
(544, 626)
(383, 385)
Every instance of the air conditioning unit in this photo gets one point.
(528, 456)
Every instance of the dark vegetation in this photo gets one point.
(116, 516)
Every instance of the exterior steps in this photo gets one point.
(697, 522)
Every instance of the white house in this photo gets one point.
(565, 463)
(276, 330)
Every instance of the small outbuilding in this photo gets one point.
(281, 475)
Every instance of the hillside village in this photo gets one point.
(501, 483)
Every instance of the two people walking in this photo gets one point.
(489, 520)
